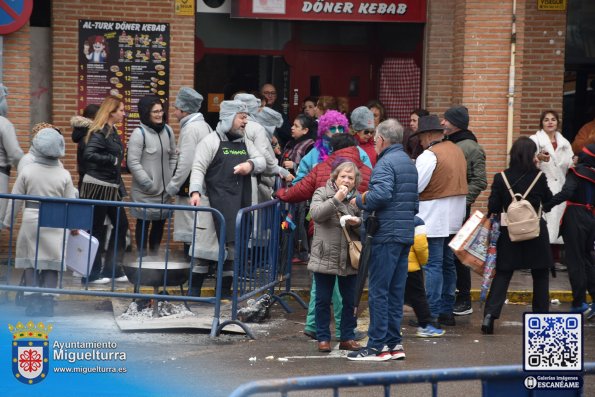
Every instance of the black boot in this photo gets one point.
(487, 326)
(226, 283)
(46, 307)
(196, 286)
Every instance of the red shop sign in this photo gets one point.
(325, 10)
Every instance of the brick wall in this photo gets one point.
(478, 34)
(439, 55)
(65, 16)
(17, 77)
(543, 64)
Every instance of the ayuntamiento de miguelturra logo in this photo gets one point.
(30, 351)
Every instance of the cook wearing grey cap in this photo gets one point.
(221, 179)
(193, 129)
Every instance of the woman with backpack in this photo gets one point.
(152, 158)
(524, 178)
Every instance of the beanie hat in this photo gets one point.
(48, 143)
(227, 112)
(458, 116)
(362, 119)
(188, 100)
(3, 103)
(250, 101)
(270, 119)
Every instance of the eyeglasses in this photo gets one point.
(377, 138)
(273, 93)
(157, 111)
(337, 128)
(369, 132)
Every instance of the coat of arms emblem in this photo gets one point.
(30, 351)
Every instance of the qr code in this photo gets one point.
(553, 342)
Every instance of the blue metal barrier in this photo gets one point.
(496, 381)
(259, 265)
(71, 214)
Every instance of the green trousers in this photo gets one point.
(337, 309)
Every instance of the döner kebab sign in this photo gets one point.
(324, 10)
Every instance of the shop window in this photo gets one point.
(220, 31)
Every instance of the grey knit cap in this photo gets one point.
(48, 143)
(362, 119)
(188, 100)
(251, 102)
(227, 112)
(270, 119)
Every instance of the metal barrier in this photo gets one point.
(68, 214)
(260, 263)
(495, 381)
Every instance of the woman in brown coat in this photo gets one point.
(329, 257)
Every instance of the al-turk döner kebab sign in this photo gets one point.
(322, 10)
(125, 59)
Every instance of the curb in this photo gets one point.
(304, 293)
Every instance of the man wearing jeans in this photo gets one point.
(442, 187)
(456, 130)
(392, 195)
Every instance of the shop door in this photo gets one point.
(335, 73)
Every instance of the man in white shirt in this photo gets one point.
(442, 187)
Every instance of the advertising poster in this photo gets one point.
(126, 59)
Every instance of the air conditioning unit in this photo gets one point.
(213, 6)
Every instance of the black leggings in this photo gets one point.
(497, 295)
(154, 236)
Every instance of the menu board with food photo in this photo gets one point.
(126, 59)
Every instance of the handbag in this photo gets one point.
(355, 249)
(470, 244)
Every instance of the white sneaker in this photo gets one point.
(397, 352)
(103, 280)
(121, 279)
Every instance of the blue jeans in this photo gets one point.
(325, 284)
(441, 276)
(337, 308)
(386, 293)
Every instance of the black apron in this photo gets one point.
(228, 192)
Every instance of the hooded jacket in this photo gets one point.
(151, 160)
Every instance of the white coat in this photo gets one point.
(555, 171)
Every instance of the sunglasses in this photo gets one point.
(369, 132)
(337, 128)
